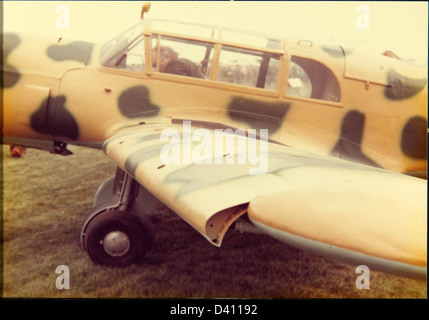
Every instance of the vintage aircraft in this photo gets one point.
(319, 146)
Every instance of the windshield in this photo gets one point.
(115, 50)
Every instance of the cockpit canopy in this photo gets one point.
(221, 54)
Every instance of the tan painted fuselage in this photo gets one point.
(65, 92)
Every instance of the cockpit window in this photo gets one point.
(216, 33)
(311, 79)
(182, 57)
(184, 28)
(197, 58)
(247, 67)
(125, 51)
(242, 37)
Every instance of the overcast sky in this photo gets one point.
(398, 26)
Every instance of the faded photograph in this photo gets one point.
(265, 150)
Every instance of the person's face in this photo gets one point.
(164, 59)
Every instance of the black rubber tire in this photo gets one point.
(140, 238)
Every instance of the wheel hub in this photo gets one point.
(116, 243)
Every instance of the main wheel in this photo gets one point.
(117, 238)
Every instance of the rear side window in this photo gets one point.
(311, 79)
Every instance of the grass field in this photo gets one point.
(45, 198)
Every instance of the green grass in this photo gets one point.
(47, 196)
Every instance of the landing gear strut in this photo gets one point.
(117, 231)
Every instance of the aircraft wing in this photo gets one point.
(330, 207)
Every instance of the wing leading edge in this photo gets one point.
(331, 207)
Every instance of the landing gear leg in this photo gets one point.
(114, 232)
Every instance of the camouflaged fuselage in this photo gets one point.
(57, 90)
